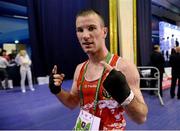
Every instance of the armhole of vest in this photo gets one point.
(114, 60)
(81, 72)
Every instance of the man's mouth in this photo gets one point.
(87, 43)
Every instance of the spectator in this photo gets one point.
(175, 64)
(24, 61)
(3, 72)
(157, 60)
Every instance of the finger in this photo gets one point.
(58, 76)
(58, 80)
(57, 83)
(106, 65)
(54, 71)
(62, 75)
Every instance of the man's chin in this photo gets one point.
(89, 51)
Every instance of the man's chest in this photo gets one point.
(94, 73)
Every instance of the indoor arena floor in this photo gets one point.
(40, 110)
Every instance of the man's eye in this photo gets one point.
(79, 30)
(91, 28)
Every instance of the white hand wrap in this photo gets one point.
(128, 99)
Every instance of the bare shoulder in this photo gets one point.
(128, 68)
(75, 79)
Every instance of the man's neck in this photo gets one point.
(97, 57)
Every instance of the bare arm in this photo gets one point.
(137, 109)
(70, 99)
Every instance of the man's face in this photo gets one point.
(91, 33)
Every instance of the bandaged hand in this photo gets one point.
(55, 81)
(117, 86)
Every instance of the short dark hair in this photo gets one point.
(2, 51)
(86, 12)
(155, 47)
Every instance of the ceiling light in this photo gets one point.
(16, 41)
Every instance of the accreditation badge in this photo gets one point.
(87, 121)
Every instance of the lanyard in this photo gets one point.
(108, 57)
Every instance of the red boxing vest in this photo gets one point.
(110, 112)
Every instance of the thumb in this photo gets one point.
(54, 70)
(106, 65)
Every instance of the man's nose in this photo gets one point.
(86, 35)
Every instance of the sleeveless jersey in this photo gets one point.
(110, 112)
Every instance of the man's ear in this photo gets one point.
(105, 31)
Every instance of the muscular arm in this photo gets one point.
(137, 109)
(71, 99)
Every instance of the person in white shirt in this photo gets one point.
(24, 61)
(3, 73)
(5, 78)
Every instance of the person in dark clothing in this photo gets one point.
(173, 51)
(177, 42)
(175, 64)
(158, 61)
